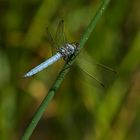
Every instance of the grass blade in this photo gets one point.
(29, 130)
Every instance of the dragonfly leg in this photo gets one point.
(72, 57)
(69, 59)
(69, 66)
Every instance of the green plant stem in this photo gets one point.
(29, 130)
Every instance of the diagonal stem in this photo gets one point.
(29, 130)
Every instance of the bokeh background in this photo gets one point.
(81, 109)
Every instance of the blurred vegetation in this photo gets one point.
(81, 110)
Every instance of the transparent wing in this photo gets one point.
(60, 37)
(93, 77)
(85, 57)
(89, 70)
(93, 69)
(50, 39)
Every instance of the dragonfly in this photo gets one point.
(63, 49)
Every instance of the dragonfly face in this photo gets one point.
(68, 50)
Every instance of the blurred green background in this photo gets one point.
(81, 110)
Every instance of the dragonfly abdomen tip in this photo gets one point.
(27, 75)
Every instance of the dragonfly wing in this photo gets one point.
(92, 68)
(90, 60)
(52, 42)
(60, 37)
(89, 70)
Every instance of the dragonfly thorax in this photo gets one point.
(67, 50)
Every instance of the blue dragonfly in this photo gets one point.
(62, 49)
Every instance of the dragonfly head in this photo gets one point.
(68, 50)
(72, 48)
